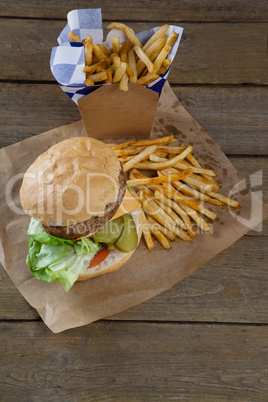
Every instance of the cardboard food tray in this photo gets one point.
(147, 273)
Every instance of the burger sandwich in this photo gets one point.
(84, 222)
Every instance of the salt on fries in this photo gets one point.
(172, 200)
(129, 62)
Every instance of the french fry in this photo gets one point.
(116, 44)
(94, 58)
(166, 62)
(116, 62)
(128, 151)
(124, 57)
(98, 76)
(113, 55)
(153, 56)
(151, 208)
(161, 179)
(134, 193)
(73, 37)
(201, 183)
(111, 68)
(160, 58)
(99, 54)
(172, 38)
(146, 143)
(207, 176)
(175, 218)
(183, 166)
(172, 204)
(89, 82)
(102, 67)
(124, 51)
(109, 78)
(160, 154)
(91, 69)
(133, 66)
(155, 187)
(225, 200)
(196, 164)
(156, 47)
(140, 53)
(171, 215)
(191, 192)
(124, 159)
(171, 150)
(123, 84)
(135, 174)
(150, 77)
(197, 218)
(129, 71)
(119, 72)
(88, 51)
(137, 158)
(162, 70)
(145, 227)
(146, 231)
(104, 50)
(171, 192)
(155, 158)
(159, 236)
(160, 32)
(131, 36)
(168, 163)
(171, 236)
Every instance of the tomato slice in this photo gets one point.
(99, 257)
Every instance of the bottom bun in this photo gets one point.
(115, 258)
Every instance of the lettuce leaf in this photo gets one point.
(52, 259)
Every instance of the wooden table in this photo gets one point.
(207, 337)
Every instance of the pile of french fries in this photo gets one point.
(172, 200)
(129, 62)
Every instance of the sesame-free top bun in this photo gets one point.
(75, 181)
(115, 258)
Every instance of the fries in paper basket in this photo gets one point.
(172, 200)
(83, 62)
(130, 61)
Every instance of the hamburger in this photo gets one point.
(84, 222)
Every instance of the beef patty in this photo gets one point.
(82, 229)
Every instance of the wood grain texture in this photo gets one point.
(134, 362)
(185, 10)
(209, 53)
(236, 118)
(230, 288)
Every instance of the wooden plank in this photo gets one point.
(185, 10)
(230, 288)
(134, 362)
(209, 53)
(236, 118)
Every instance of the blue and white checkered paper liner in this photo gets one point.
(67, 61)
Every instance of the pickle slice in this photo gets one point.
(111, 232)
(128, 240)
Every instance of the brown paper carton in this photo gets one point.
(109, 112)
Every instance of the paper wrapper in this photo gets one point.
(67, 60)
(146, 274)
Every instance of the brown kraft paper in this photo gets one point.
(146, 274)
